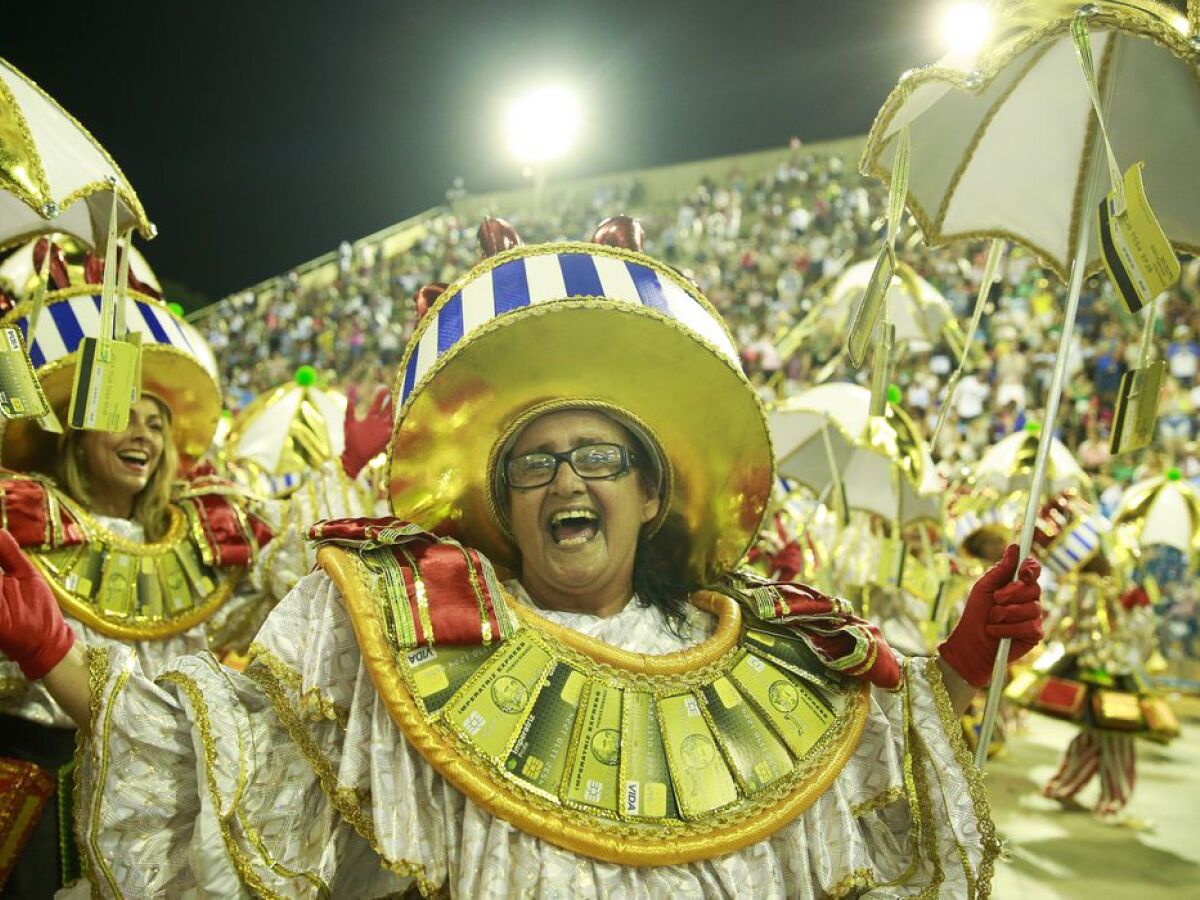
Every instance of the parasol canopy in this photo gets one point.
(1163, 509)
(1002, 149)
(919, 312)
(881, 462)
(1007, 466)
(54, 176)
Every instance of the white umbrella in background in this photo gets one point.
(826, 440)
(19, 271)
(1164, 510)
(919, 312)
(1007, 466)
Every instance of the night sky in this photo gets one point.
(259, 134)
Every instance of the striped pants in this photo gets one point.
(1109, 753)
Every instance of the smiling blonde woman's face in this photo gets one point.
(578, 536)
(123, 462)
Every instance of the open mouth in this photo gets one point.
(135, 460)
(572, 527)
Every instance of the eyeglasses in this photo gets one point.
(590, 461)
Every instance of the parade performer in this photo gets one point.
(1092, 670)
(140, 548)
(303, 444)
(551, 680)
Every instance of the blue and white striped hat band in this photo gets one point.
(73, 314)
(553, 326)
(552, 272)
(178, 366)
(1077, 545)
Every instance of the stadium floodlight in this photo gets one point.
(542, 124)
(965, 28)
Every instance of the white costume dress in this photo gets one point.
(293, 780)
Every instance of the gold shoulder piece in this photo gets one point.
(622, 757)
(134, 591)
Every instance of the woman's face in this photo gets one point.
(578, 537)
(121, 463)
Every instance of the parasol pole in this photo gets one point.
(1091, 196)
(995, 254)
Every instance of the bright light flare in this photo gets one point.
(965, 28)
(542, 124)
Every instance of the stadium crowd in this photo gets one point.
(765, 249)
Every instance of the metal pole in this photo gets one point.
(1078, 266)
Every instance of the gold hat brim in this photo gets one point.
(189, 392)
(694, 401)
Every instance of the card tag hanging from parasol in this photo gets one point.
(21, 396)
(106, 375)
(1136, 253)
(1137, 407)
(104, 384)
(866, 314)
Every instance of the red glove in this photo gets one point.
(367, 437)
(33, 632)
(1134, 597)
(997, 608)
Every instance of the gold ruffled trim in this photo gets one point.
(241, 861)
(857, 880)
(98, 674)
(952, 727)
(345, 800)
(879, 801)
(580, 832)
(308, 699)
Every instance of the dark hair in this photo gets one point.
(659, 573)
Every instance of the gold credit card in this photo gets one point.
(646, 789)
(796, 656)
(1141, 262)
(757, 755)
(189, 561)
(21, 395)
(491, 706)
(176, 593)
(150, 599)
(1137, 407)
(85, 572)
(437, 673)
(539, 757)
(793, 710)
(698, 771)
(101, 396)
(593, 768)
(118, 584)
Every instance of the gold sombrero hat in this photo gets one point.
(550, 326)
(290, 429)
(178, 367)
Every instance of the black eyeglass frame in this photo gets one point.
(629, 460)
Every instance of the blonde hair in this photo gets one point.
(151, 503)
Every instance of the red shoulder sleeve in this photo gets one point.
(26, 508)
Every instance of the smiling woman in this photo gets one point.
(126, 474)
(486, 696)
(134, 555)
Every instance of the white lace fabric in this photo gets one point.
(292, 780)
